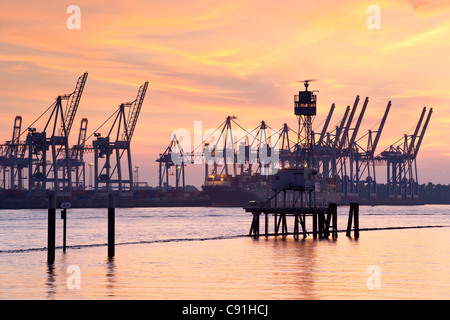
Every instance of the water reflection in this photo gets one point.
(110, 276)
(50, 283)
(295, 265)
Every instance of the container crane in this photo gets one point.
(173, 151)
(354, 155)
(325, 126)
(369, 156)
(112, 177)
(11, 159)
(402, 180)
(76, 156)
(322, 149)
(54, 136)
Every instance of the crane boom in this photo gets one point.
(416, 132)
(73, 105)
(347, 127)
(78, 150)
(380, 129)
(134, 112)
(325, 127)
(339, 129)
(16, 130)
(416, 151)
(14, 146)
(358, 124)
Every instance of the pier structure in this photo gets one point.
(294, 191)
(294, 196)
(294, 187)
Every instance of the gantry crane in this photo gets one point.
(354, 156)
(111, 177)
(174, 151)
(77, 164)
(368, 156)
(76, 157)
(322, 154)
(400, 158)
(285, 148)
(11, 158)
(55, 135)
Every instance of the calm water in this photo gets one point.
(202, 253)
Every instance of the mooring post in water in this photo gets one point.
(266, 225)
(356, 221)
(111, 225)
(64, 218)
(315, 213)
(350, 218)
(51, 228)
(254, 228)
(296, 229)
(327, 222)
(64, 206)
(321, 224)
(333, 209)
(353, 215)
(275, 227)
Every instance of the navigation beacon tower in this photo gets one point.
(305, 110)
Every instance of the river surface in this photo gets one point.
(204, 253)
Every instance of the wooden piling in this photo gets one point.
(333, 209)
(327, 222)
(296, 230)
(303, 224)
(315, 213)
(321, 224)
(266, 225)
(51, 228)
(324, 220)
(353, 215)
(254, 228)
(275, 225)
(111, 225)
(350, 220)
(298, 221)
(64, 218)
(356, 221)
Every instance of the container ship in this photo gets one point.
(238, 191)
(229, 191)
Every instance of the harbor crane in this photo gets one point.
(400, 158)
(111, 176)
(43, 168)
(165, 160)
(77, 157)
(12, 158)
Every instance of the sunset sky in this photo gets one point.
(205, 60)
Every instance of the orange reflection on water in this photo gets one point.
(414, 264)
